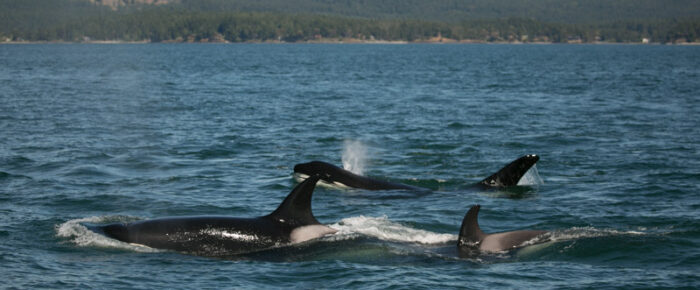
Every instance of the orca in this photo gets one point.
(507, 176)
(344, 178)
(473, 241)
(291, 223)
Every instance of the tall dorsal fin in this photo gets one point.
(296, 208)
(470, 233)
(510, 174)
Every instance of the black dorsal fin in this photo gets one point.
(470, 233)
(511, 173)
(296, 208)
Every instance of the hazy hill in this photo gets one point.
(304, 20)
(564, 11)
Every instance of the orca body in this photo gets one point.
(292, 222)
(507, 176)
(472, 240)
(340, 177)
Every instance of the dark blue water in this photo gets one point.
(104, 133)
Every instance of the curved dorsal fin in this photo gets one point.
(510, 174)
(470, 233)
(296, 208)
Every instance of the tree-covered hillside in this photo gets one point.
(313, 20)
(562, 11)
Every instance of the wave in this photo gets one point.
(5, 175)
(91, 171)
(79, 234)
(384, 229)
(588, 232)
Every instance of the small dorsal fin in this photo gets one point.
(510, 174)
(296, 208)
(470, 233)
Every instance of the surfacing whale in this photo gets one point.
(292, 222)
(472, 240)
(507, 176)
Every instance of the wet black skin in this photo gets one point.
(507, 176)
(221, 235)
(205, 235)
(332, 173)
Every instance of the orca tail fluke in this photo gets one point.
(470, 233)
(296, 208)
(511, 173)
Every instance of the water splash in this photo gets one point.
(80, 235)
(354, 156)
(531, 177)
(571, 235)
(383, 229)
(589, 232)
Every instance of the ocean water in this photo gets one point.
(105, 133)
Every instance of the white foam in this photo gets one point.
(382, 228)
(83, 237)
(354, 156)
(531, 177)
(546, 240)
(588, 232)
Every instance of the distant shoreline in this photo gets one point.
(221, 21)
(349, 41)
